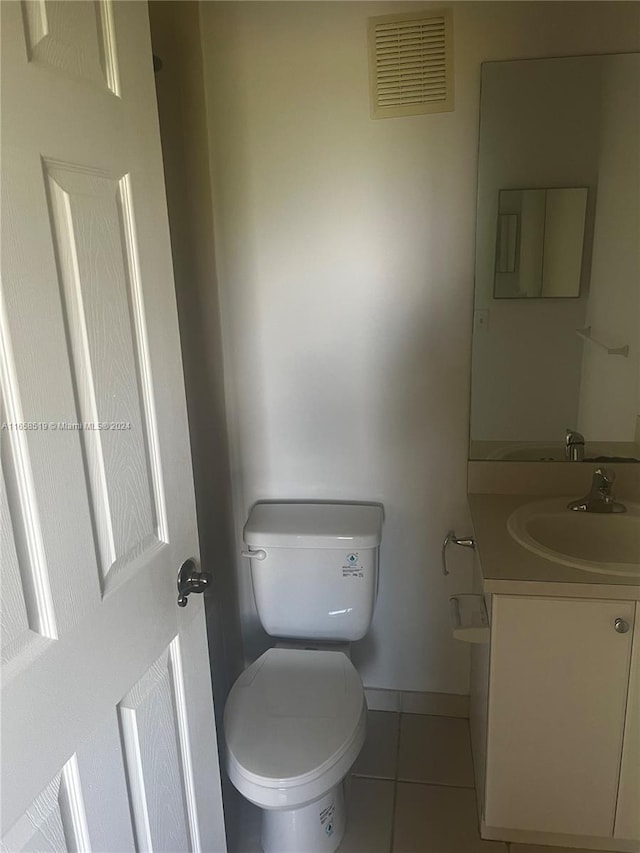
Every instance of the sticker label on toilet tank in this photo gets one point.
(351, 567)
(326, 817)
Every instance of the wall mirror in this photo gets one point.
(556, 332)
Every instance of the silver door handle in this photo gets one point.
(464, 541)
(190, 580)
(621, 626)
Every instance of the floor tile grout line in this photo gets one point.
(377, 778)
(393, 817)
(417, 714)
(479, 809)
(437, 784)
(395, 785)
(397, 778)
(434, 785)
(398, 735)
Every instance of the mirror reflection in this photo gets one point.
(556, 333)
(539, 243)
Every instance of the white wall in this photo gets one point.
(610, 391)
(183, 122)
(345, 260)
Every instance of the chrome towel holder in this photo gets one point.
(586, 335)
(451, 538)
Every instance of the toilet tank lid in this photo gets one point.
(314, 525)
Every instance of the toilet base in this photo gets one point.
(314, 828)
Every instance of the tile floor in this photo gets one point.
(411, 791)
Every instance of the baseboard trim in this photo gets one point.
(416, 702)
(584, 842)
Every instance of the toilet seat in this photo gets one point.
(294, 723)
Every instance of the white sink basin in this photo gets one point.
(607, 543)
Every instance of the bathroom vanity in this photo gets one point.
(555, 695)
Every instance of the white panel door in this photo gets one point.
(108, 734)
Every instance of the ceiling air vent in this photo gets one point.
(411, 64)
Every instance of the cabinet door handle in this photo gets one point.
(621, 626)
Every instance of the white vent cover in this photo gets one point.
(411, 64)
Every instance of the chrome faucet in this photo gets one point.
(600, 498)
(573, 446)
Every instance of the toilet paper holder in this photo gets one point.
(469, 618)
(451, 538)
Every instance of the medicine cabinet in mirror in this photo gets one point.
(539, 243)
(556, 329)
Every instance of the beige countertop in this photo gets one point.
(509, 569)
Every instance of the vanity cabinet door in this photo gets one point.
(557, 701)
(628, 810)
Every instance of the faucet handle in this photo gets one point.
(606, 475)
(603, 480)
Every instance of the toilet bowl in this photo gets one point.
(294, 723)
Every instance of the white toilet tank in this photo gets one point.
(315, 569)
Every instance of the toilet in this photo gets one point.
(295, 720)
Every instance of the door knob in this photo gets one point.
(190, 580)
(621, 626)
